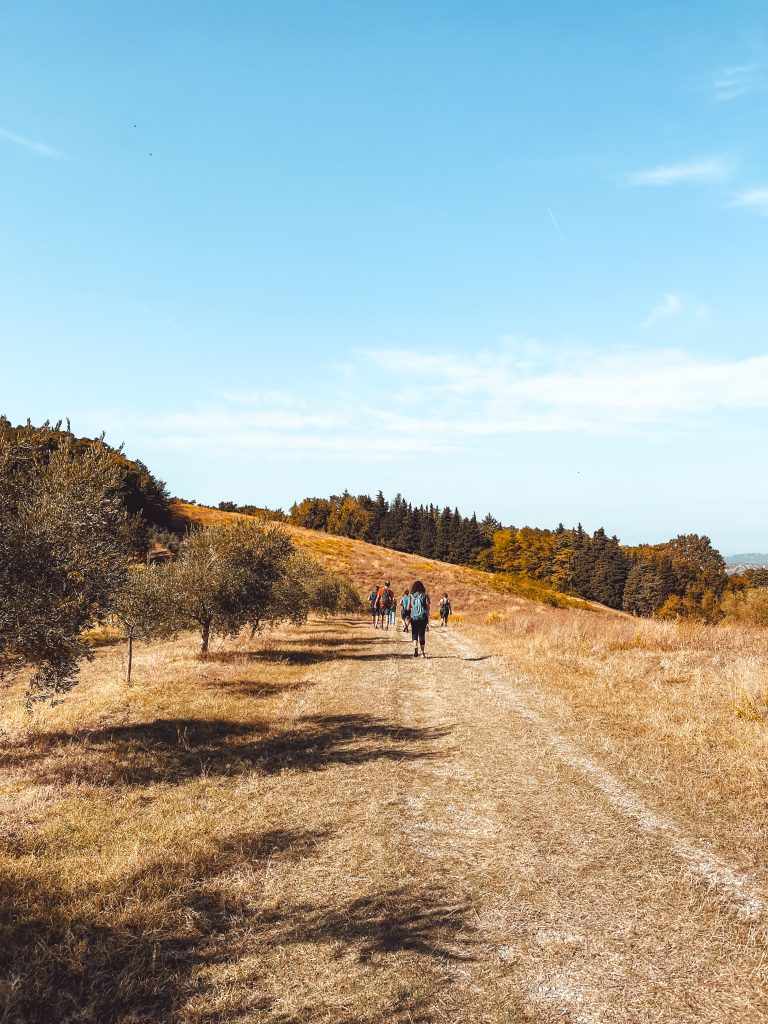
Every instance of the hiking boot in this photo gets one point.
(415, 652)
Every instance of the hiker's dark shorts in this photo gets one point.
(419, 631)
(405, 614)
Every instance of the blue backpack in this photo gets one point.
(418, 607)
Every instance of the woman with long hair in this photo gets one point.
(419, 609)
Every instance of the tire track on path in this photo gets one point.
(580, 913)
(733, 886)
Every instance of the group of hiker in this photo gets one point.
(414, 611)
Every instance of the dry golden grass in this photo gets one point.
(322, 829)
(206, 845)
(678, 709)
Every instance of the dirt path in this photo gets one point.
(330, 831)
(503, 877)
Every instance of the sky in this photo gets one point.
(504, 256)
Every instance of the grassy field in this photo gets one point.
(313, 828)
(679, 709)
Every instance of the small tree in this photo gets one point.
(64, 532)
(145, 606)
(225, 576)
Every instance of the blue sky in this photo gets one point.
(508, 256)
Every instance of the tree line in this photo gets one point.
(426, 530)
(685, 576)
(70, 533)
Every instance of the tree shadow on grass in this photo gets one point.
(145, 949)
(421, 920)
(173, 750)
(316, 656)
(257, 688)
(125, 961)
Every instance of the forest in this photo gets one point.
(683, 577)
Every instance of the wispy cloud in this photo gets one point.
(673, 305)
(41, 148)
(461, 400)
(738, 80)
(754, 199)
(591, 392)
(711, 169)
(669, 306)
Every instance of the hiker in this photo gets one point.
(405, 610)
(445, 609)
(393, 611)
(373, 600)
(385, 601)
(419, 608)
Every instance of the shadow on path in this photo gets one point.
(172, 750)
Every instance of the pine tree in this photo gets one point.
(644, 590)
(408, 534)
(379, 509)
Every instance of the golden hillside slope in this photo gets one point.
(474, 594)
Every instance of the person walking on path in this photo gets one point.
(445, 609)
(419, 608)
(386, 601)
(373, 602)
(405, 610)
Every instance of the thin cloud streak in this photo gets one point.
(754, 199)
(712, 169)
(40, 148)
(739, 80)
(553, 218)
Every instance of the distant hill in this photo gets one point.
(473, 592)
(753, 560)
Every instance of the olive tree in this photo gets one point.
(306, 588)
(145, 607)
(64, 533)
(225, 576)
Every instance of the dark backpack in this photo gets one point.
(387, 598)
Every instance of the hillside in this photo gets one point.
(752, 560)
(474, 594)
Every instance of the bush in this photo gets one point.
(747, 607)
